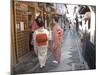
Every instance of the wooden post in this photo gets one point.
(13, 35)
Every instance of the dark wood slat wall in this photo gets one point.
(22, 37)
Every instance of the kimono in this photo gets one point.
(34, 26)
(57, 41)
(41, 51)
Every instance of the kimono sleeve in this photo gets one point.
(34, 41)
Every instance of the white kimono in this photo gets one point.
(41, 51)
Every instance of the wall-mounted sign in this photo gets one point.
(22, 26)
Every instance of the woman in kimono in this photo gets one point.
(41, 42)
(57, 40)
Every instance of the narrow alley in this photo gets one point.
(74, 24)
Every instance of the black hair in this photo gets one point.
(39, 21)
(56, 19)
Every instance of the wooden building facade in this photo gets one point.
(22, 15)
